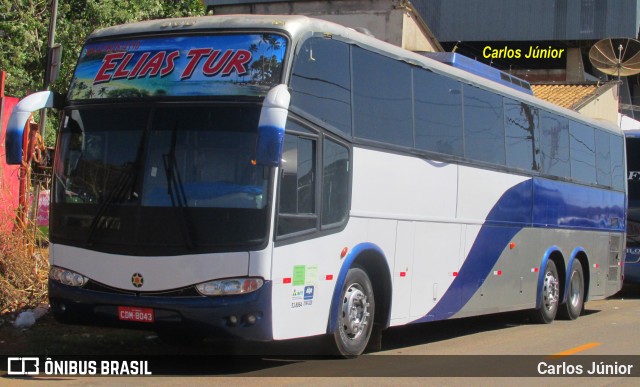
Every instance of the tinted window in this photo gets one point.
(554, 144)
(583, 152)
(521, 121)
(292, 126)
(321, 82)
(617, 162)
(164, 181)
(633, 170)
(99, 149)
(297, 185)
(382, 100)
(603, 158)
(483, 126)
(205, 155)
(438, 113)
(335, 183)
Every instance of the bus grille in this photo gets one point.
(189, 291)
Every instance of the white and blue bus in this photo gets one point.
(278, 177)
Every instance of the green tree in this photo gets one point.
(25, 24)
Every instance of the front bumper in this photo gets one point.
(224, 316)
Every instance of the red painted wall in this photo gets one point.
(8, 173)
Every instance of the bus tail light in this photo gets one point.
(67, 277)
(229, 286)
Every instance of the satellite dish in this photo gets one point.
(619, 57)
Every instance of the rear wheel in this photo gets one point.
(550, 296)
(355, 314)
(572, 309)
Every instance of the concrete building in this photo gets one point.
(394, 21)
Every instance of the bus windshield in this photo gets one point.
(145, 166)
(160, 178)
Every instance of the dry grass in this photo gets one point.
(24, 254)
(24, 267)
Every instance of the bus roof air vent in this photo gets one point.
(467, 64)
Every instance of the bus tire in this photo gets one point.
(355, 314)
(550, 295)
(572, 309)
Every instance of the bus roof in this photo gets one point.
(481, 69)
(298, 25)
(287, 23)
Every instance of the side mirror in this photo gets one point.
(273, 119)
(19, 116)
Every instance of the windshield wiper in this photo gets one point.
(175, 189)
(119, 192)
(126, 183)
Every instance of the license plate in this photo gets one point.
(132, 313)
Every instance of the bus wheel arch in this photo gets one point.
(584, 260)
(369, 259)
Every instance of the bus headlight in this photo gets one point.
(67, 277)
(229, 286)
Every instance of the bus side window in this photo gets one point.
(321, 82)
(603, 158)
(335, 182)
(521, 131)
(484, 135)
(297, 202)
(583, 152)
(617, 163)
(554, 144)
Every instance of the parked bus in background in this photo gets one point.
(278, 177)
(632, 258)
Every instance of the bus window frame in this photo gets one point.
(319, 135)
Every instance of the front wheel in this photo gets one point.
(550, 296)
(355, 314)
(572, 309)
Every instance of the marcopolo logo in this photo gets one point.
(137, 280)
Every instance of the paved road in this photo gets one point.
(608, 330)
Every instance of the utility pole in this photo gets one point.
(48, 67)
(43, 113)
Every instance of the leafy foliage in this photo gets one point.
(25, 24)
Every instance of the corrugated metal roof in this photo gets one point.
(525, 20)
(516, 20)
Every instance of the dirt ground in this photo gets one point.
(49, 337)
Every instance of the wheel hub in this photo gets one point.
(551, 291)
(355, 311)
